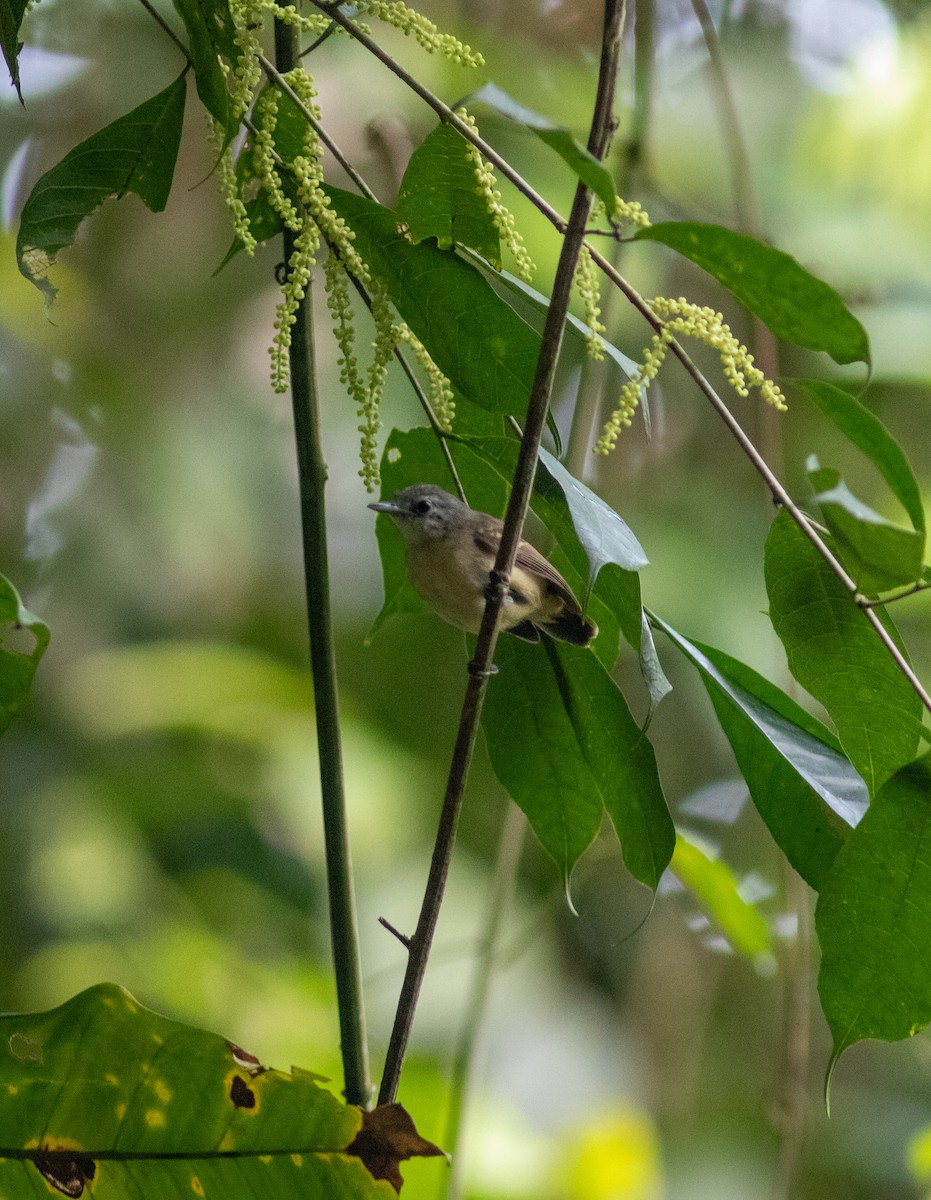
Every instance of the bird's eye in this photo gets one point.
(422, 506)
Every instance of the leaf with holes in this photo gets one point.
(23, 641)
(104, 1097)
(136, 153)
(438, 197)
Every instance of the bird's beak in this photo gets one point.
(385, 506)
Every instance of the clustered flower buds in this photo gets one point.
(691, 320)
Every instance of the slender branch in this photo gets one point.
(481, 665)
(312, 474)
(159, 19)
(910, 591)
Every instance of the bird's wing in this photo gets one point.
(531, 560)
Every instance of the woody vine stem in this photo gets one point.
(481, 666)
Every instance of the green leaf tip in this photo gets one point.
(23, 641)
(136, 153)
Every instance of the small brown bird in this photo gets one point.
(451, 551)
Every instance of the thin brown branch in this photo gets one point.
(482, 663)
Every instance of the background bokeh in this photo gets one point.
(158, 802)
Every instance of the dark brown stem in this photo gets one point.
(535, 422)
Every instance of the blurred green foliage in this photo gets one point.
(158, 817)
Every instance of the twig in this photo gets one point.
(402, 937)
(159, 19)
(910, 591)
(312, 474)
(480, 667)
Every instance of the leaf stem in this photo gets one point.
(481, 666)
(312, 474)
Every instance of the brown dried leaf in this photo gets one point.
(388, 1137)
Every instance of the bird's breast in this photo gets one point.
(451, 574)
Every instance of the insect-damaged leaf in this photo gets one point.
(101, 1096)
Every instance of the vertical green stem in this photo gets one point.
(312, 475)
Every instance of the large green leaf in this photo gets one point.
(211, 36)
(802, 785)
(874, 919)
(834, 653)
(712, 884)
(593, 173)
(11, 16)
(103, 1097)
(878, 554)
(565, 746)
(790, 300)
(476, 340)
(438, 196)
(136, 153)
(23, 640)
(862, 427)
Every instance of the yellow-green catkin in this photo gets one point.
(486, 186)
(416, 25)
(631, 211)
(439, 390)
(587, 284)
(682, 317)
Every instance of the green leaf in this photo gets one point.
(481, 345)
(658, 686)
(136, 153)
(23, 641)
(11, 17)
(793, 303)
(834, 653)
(712, 884)
(438, 197)
(803, 787)
(862, 427)
(211, 35)
(563, 743)
(593, 173)
(111, 1098)
(878, 554)
(532, 306)
(874, 919)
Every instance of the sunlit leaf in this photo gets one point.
(878, 554)
(593, 173)
(803, 787)
(862, 427)
(874, 918)
(564, 744)
(795, 305)
(103, 1097)
(136, 153)
(438, 197)
(712, 884)
(835, 654)
(23, 640)
(11, 16)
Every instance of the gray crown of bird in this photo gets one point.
(451, 550)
